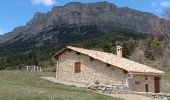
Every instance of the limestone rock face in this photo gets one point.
(106, 17)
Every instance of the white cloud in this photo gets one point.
(154, 4)
(165, 4)
(44, 2)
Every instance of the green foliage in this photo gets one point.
(50, 69)
(109, 41)
(154, 48)
(128, 47)
(20, 60)
(42, 57)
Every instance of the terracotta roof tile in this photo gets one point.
(120, 62)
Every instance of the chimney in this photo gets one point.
(119, 50)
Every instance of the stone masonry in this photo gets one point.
(95, 71)
(91, 71)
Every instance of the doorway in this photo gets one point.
(157, 84)
(146, 88)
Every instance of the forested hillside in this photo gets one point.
(99, 26)
(42, 56)
(141, 48)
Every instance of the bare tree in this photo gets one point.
(163, 26)
(138, 54)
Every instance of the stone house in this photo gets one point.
(90, 66)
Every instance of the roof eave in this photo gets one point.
(58, 53)
(55, 57)
(139, 73)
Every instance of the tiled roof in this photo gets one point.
(112, 59)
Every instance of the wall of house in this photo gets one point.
(142, 80)
(97, 71)
(91, 71)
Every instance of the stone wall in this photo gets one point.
(122, 89)
(142, 80)
(91, 71)
(112, 89)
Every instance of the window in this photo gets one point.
(137, 82)
(146, 78)
(78, 53)
(77, 67)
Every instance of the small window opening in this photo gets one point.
(77, 67)
(77, 53)
(146, 78)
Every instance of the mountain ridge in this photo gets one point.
(77, 19)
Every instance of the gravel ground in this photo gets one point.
(132, 97)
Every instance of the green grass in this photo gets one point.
(165, 86)
(20, 85)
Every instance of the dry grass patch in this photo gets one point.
(20, 85)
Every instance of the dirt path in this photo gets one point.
(132, 97)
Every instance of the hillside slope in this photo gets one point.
(77, 21)
(21, 85)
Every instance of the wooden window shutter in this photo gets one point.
(77, 67)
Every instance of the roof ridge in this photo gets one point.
(106, 52)
(113, 59)
(92, 50)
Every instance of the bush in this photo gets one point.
(154, 48)
(51, 69)
(128, 48)
(7, 68)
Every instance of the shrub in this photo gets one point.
(49, 69)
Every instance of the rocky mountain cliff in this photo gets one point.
(75, 21)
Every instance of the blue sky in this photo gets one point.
(15, 13)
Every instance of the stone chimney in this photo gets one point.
(119, 51)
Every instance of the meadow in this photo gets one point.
(21, 85)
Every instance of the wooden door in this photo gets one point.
(146, 88)
(157, 84)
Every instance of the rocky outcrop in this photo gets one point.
(75, 17)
